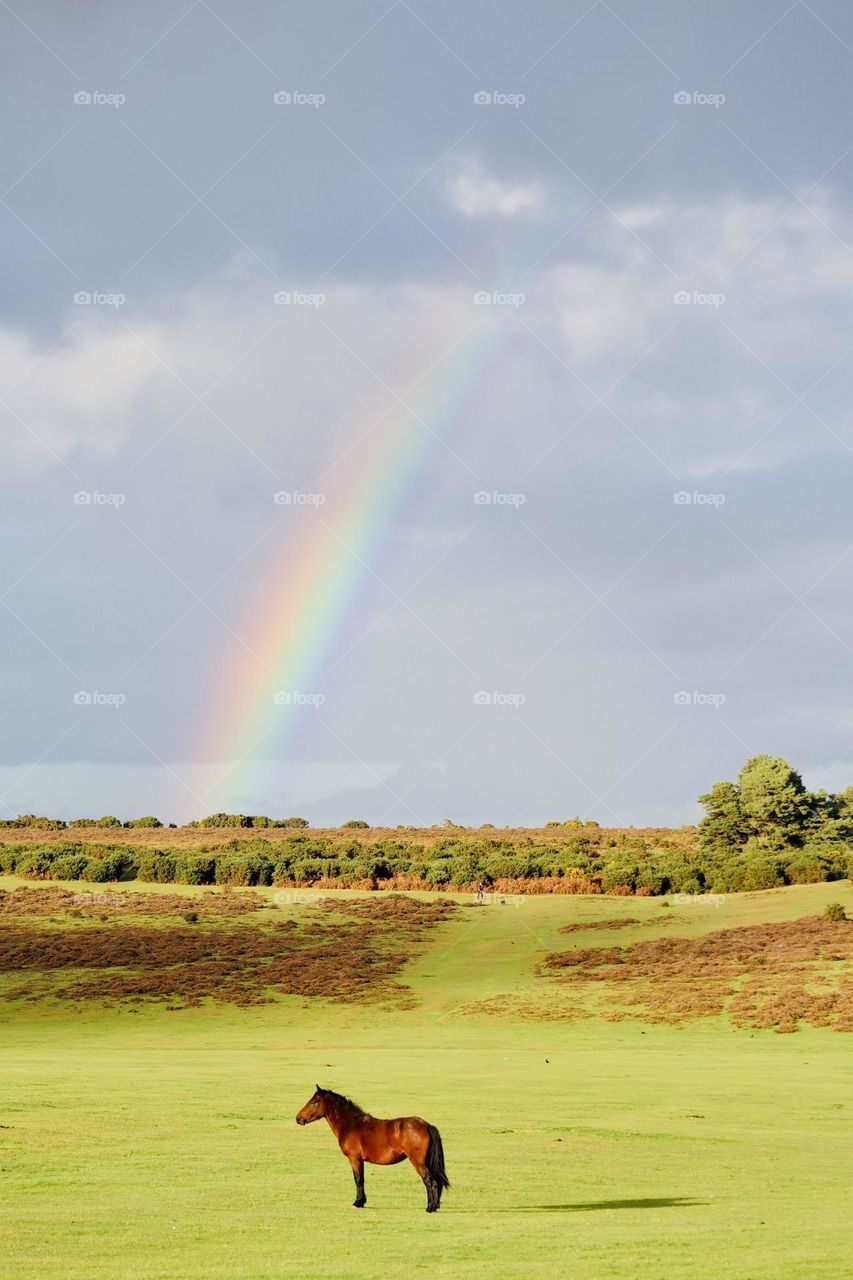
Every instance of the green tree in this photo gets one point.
(724, 825)
(773, 799)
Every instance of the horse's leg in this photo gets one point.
(428, 1181)
(357, 1165)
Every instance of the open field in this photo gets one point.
(150, 1132)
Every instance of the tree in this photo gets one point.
(724, 825)
(773, 799)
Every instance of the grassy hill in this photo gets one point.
(149, 1136)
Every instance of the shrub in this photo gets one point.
(37, 863)
(156, 866)
(619, 877)
(69, 866)
(834, 911)
(147, 821)
(290, 822)
(309, 869)
(761, 873)
(107, 866)
(805, 868)
(219, 820)
(356, 823)
(245, 869)
(194, 868)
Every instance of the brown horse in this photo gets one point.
(362, 1137)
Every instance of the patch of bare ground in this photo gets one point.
(768, 975)
(237, 961)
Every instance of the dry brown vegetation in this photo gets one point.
(621, 922)
(213, 837)
(73, 950)
(766, 975)
(35, 900)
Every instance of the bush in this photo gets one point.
(290, 822)
(194, 868)
(147, 821)
(761, 873)
(69, 866)
(356, 823)
(309, 869)
(108, 866)
(36, 863)
(156, 866)
(834, 911)
(246, 869)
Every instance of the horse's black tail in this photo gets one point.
(435, 1158)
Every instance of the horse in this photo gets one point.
(362, 1137)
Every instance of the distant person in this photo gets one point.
(479, 893)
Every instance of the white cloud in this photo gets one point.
(316, 379)
(476, 193)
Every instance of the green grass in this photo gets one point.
(163, 1145)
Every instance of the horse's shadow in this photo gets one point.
(590, 1206)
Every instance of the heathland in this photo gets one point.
(627, 1087)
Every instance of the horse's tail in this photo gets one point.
(435, 1158)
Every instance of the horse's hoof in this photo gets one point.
(359, 1204)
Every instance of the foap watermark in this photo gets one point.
(95, 98)
(498, 98)
(697, 698)
(696, 298)
(696, 98)
(295, 298)
(695, 498)
(494, 298)
(494, 498)
(491, 898)
(94, 698)
(93, 498)
(296, 98)
(90, 898)
(699, 899)
(94, 298)
(291, 897)
(497, 698)
(296, 498)
(293, 698)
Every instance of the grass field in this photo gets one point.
(149, 1141)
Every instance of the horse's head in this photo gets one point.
(315, 1107)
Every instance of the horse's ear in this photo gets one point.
(319, 1090)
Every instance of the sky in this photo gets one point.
(417, 410)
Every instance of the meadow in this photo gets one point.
(630, 1129)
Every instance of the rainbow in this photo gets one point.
(313, 593)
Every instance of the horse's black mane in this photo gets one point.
(348, 1102)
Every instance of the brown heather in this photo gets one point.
(767, 975)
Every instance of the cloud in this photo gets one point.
(301, 386)
(476, 193)
(186, 791)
